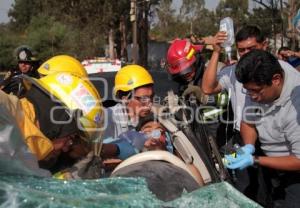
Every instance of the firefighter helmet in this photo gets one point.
(181, 56)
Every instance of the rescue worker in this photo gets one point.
(271, 114)
(247, 38)
(59, 115)
(133, 91)
(186, 66)
(27, 64)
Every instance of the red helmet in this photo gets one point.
(181, 55)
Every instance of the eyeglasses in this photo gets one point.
(253, 92)
(144, 99)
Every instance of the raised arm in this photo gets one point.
(210, 84)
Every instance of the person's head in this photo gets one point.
(62, 63)
(261, 75)
(26, 59)
(153, 129)
(67, 108)
(281, 55)
(248, 38)
(181, 59)
(134, 87)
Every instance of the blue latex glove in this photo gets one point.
(129, 143)
(241, 161)
(248, 148)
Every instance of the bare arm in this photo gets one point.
(248, 133)
(296, 54)
(290, 53)
(210, 85)
(290, 163)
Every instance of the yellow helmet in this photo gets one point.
(75, 93)
(130, 77)
(62, 63)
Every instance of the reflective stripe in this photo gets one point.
(190, 54)
(212, 112)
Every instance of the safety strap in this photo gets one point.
(180, 141)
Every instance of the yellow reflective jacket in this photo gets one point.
(24, 113)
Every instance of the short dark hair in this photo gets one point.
(257, 66)
(144, 120)
(283, 48)
(250, 31)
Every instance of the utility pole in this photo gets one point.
(133, 19)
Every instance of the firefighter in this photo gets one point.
(27, 64)
(59, 116)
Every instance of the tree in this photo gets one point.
(8, 43)
(22, 12)
(92, 20)
(269, 18)
(189, 11)
(166, 25)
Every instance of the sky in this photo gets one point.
(4, 7)
(6, 4)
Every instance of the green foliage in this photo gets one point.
(171, 25)
(7, 46)
(191, 8)
(238, 12)
(47, 36)
(80, 27)
(263, 18)
(22, 13)
(206, 23)
(51, 27)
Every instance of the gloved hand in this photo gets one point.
(248, 148)
(241, 161)
(197, 92)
